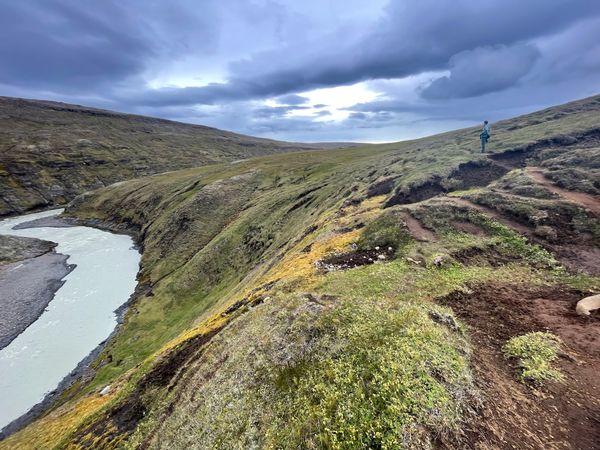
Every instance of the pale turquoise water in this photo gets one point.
(81, 315)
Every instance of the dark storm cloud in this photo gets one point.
(470, 58)
(503, 81)
(71, 45)
(54, 44)
(410, 38)
(485, 69)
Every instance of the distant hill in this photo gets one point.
(50, 152)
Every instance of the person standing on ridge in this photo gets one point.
(485, 135)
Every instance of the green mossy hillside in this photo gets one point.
(50, 152)
(236, 338)
(318, 372)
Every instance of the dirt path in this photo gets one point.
(588, 201)
(418, 231)
(491, 213)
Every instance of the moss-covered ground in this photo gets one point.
(239, 339)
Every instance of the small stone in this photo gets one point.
(105, 390)
(376, 248)
(381, 257)
(443, 319)
(441, 261)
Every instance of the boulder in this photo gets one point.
(588, 304)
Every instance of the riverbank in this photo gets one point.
(83, 314)
(27, 287)
(30, 274)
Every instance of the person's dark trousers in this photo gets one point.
(484, 138)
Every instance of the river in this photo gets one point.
(81, 315)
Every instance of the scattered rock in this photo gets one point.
(307, 249)
(105, 390)
(259, 300)
(414, 261)
(351, 202)
(588, 304)
(443, 319)
(237, 305)
(442, 261)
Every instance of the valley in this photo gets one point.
(361, 297)
(50, 152)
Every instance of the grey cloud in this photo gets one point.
(483, 70)
(292, 99)
(105, 54)
(409, 39)
(358, 115)
(53, 44)
(276, 111)
(570, 54)
(75, 46)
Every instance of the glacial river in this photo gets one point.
(81, 315)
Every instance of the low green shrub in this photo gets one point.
(535, 353)
(387, 230)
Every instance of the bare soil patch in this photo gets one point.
(576, 252)
(491, 213)
(416, 229)
(482, 255)
(515, 416)
(468, 227)
(518, 157)
(478, 173)
(381, 187)
(512, 158)
(417, 193)
(357, 258)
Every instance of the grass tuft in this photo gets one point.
(535, 353)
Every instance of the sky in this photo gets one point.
(311, 70)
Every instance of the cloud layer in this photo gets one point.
(259, 67)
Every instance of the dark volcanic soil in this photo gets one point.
(512, 415)
(342, 261)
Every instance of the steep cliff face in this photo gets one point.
(50, 152)
(320, 299)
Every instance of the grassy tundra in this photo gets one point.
(353, 298)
